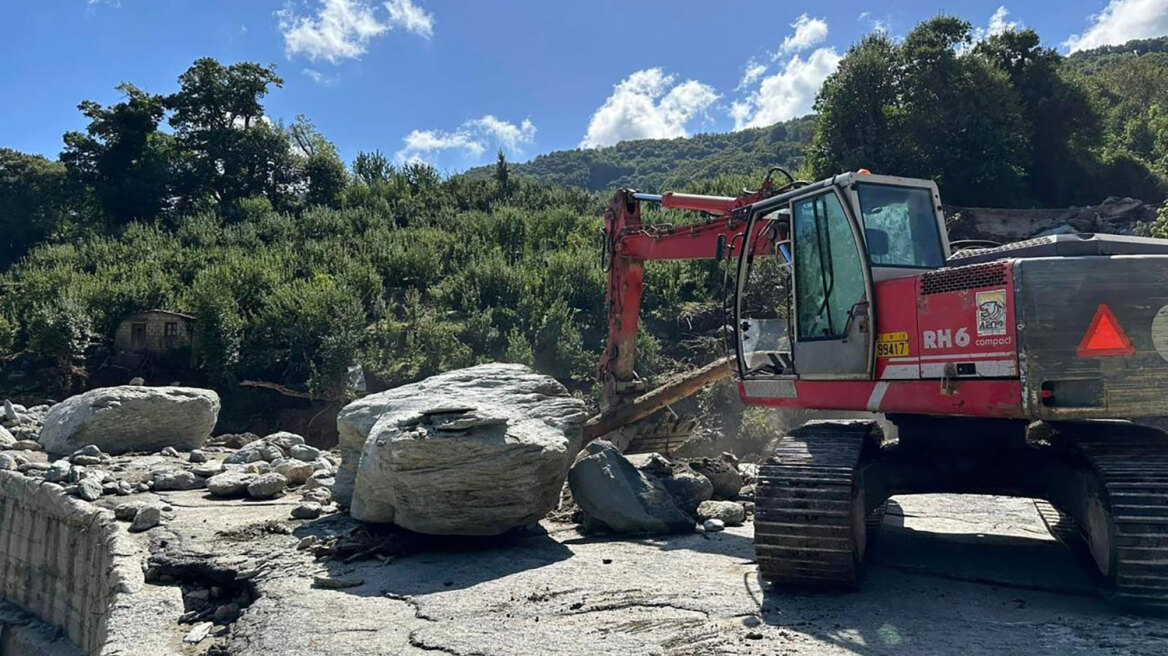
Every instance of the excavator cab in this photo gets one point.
(803, 297)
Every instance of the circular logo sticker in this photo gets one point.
(1160, 332)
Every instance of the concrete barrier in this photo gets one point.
(61, 560)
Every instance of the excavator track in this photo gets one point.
(809, 515)
(1132, 464)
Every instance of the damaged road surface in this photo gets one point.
(947, 574)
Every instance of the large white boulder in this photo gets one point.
(131, 418)
(476, 451)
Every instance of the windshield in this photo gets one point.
(905, 215)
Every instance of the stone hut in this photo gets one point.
(155, 334)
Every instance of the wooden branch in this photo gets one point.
(286, 391)
(671, 391)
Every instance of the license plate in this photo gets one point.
(892, 345)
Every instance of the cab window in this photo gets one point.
(905, 217)
(829, 276)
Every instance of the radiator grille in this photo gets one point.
(968, 277)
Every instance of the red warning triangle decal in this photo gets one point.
(1105, 336)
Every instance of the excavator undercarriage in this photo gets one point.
(1107, 483)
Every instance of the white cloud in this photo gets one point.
(647, 105)
(472, 137)
(754, 71)
(410, 17)
(316, 75)
(999, 24)
(787, 93)
(808, 32)
(342, 29)
(1121, 21)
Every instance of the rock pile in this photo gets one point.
(477, 451)
(649, 494)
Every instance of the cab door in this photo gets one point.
(833, 310)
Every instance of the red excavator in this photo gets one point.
(1011, 370)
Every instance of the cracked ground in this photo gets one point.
(947, 574)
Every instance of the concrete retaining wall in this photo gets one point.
(58, 559)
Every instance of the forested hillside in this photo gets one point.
(297, 265)
(663, 164)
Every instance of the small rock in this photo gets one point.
(146, 518)
(748, 507)
(169, 452)
(229, 483)
(306, 510)
(27, 445)
(249, 452)
(86, 461)
(125, 488)
(284, 439)
(320, 495)
(316, 481)
(199, 633)
(7, 462)
(713, 525)
(197, 456)
(304, 452)
(33, 467)
(89, 450)
(266, 486)
(227, 613)
(89, 489)
(730, 513)
(296, 471)
(125, 512)
(746, 493)
(208, 469)
(234, 440)
(58, 471)
(137, 380)
(307, 542)
(270, 452)
(171, 479)
(143, 487)
(9, 410)
(336, 583)
(7, 439)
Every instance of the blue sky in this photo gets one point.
(450, 82)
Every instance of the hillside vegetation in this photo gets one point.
(298, 266)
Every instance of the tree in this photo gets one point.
(502, 175)
(122, 158)
(371, 168)
(1063, 124)
(231, 150)
(858, 122)
(33, 202)
(323, 169)
(925, 108)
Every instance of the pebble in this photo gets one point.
(146, 518)
(229, 483)
(125, 511)
(296, 471)
(321, 495)
(337, 582)
(27, 445)
(58, 471)
(89, 488)
(266, 486)
(86, 461)
(125, 488)
(284, 439)
(207, 469)
(307, 542)
(199, 633)
(306, 510)
(304, 452)
(89, 450)
(172, 479)
(7, 461)
(713, 525)
(33, 467)
(197, 456)
(227, 613)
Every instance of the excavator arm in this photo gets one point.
(628, 244)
